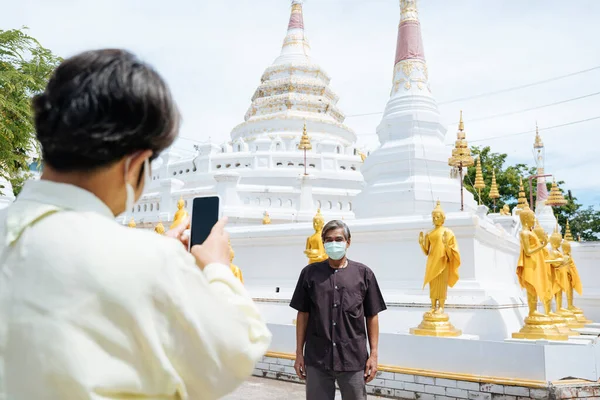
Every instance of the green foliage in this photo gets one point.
(25, 67)
(582, 221)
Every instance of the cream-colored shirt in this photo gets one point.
(90, 309)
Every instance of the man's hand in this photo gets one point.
(299, 366)
(371, 368)
(215, 248)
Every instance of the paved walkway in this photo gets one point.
(270, 389)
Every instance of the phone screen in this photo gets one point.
(205, 214)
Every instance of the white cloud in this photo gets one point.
(214, 52)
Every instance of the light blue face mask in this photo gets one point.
(335, 250)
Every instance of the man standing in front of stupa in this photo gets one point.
(333, 298)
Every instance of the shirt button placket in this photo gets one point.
(335, 314)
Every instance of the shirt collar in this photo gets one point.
(63, 196)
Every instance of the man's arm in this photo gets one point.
(301, 324)
(211, 331)
(373, 334)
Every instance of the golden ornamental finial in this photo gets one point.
(556, 198)
(461, 154)
(568, 234)
(131, 223)
(538, 144)
(494, 194)
(266, 219)
(479, 182)
(304, 140)
(522, 202)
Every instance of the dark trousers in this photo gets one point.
(320, 384)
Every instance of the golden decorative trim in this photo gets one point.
(529, 383)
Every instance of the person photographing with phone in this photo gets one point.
(90, 309)
(335, 300)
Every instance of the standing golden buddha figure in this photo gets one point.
(315, 251)
(574, 284)
(180, 214)
(441, 271)
(534, 277)
(551, 264)
(561, 277)
(237, 272)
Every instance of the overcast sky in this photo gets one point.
(213, 54)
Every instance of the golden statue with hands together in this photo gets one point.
(315, 251)
(441, 272)
(535, 276)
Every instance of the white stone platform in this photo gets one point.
(417, 367)
(486, 302)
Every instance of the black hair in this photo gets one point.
(100, 106)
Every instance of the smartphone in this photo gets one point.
(205, 214)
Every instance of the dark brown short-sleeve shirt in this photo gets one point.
(337, 300)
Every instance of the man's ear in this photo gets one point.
(136, 163)
(348, 243)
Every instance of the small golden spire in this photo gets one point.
(159, 228)
(522, 201)
(131, 223)
(266, 219)
(556, 198)
(494, 194)
(568, 234)
(461, 154)
(305, 140)
(479, 183)
(538, 144)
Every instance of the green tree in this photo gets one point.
(583, 221)
(25, 67)
(507, 178)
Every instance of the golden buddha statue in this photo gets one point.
(131, 223)
(574, 283)
(315, 251)
(505, 210)
(266, 219)
(441, 272)
(180, 214)
(237, 272)
(561, 278)
(159, 228)
(534, 276)
(552, 261)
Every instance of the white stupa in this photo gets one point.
(261, 169)
(410, 171)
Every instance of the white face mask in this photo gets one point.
(130, 199)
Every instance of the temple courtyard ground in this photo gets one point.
(270, 389)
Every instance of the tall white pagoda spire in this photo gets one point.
(295, 45)
(294, 90)
(409, 172)
(544, 212)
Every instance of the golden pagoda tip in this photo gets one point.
(461, 124)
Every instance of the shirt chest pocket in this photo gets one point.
(353, 295)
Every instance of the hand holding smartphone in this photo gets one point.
(205, 214)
